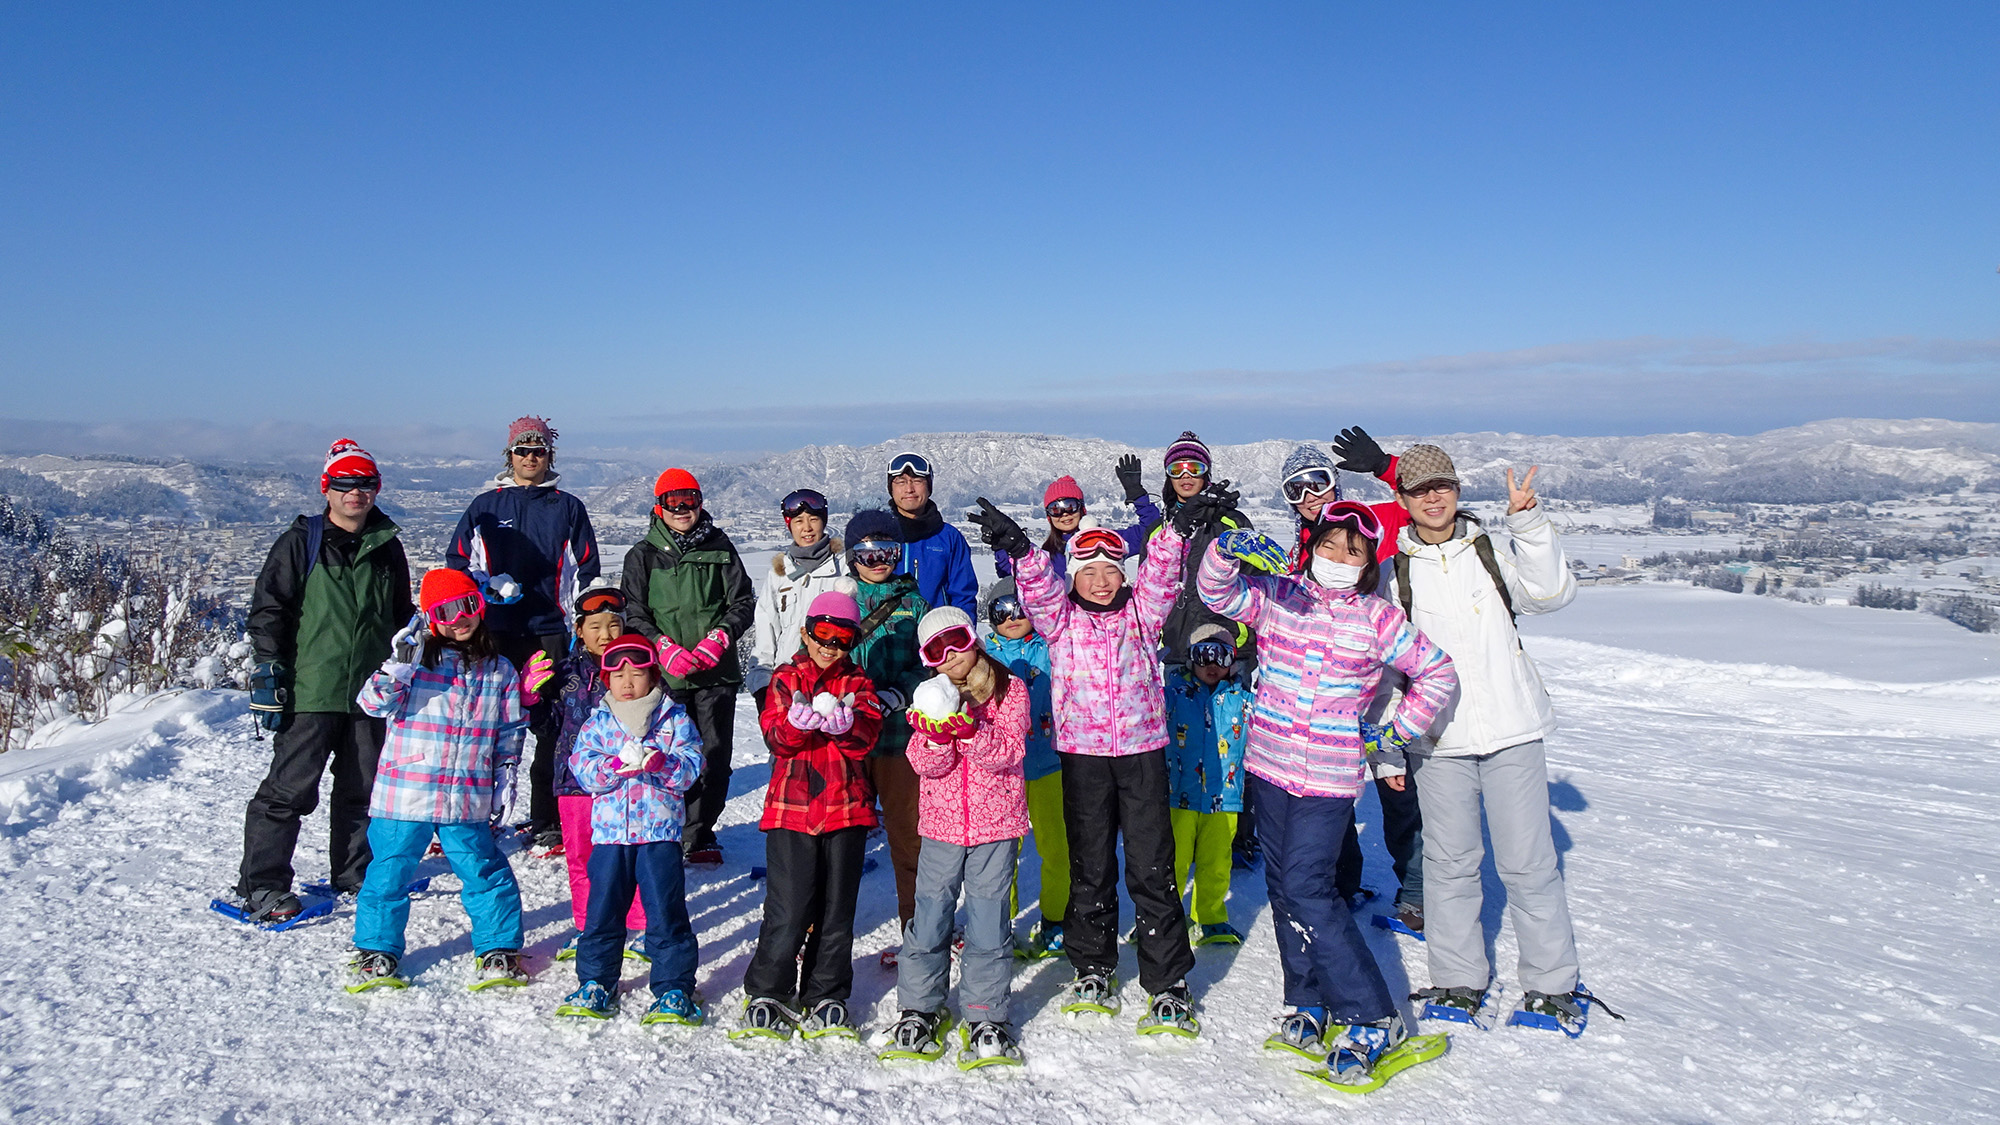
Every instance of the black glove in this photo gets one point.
(1203, 511)
(270, 694)
(999, 530)
(1358, 452)
(1128, 475)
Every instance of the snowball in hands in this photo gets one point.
(824, 703)
(935, 698)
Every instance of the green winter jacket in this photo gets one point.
(682, 594)
(889, 654)
(330, 621)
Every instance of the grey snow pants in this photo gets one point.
(986, 971)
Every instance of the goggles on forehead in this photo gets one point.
(681, 499)
(354, 484)
(1097, 543)
(958, 638)
(1067, 506)
(875, 554)
(909, 464)
(1309, 482)
(802, 500)
(629, 656)
(1218, 654)
(1347, 513)
(600, 601)
(1005, 608)
(454, 610)
(1187, 467)
(833, 632)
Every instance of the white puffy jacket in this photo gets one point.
(781, 610)
(1501, 701)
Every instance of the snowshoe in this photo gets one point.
(828, 1019)
(1408, 920)
(548, 844)
(1045, 941)
(1093, 993)
(889, 955)
(498, 967)
(987, 1043)
(568, 951)
(1218, 933)
(675, 1006)
(917, 1037)
(591, 1000)
(765, 1018)
(1171, 1013)
(373, 969)
(635, 949)
(1567, 1012)
(1366, 1056)
(245, 912)
(1302, 1033)
(1455, 1005)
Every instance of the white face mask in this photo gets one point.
(1335, 575)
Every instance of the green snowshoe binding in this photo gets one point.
(917, 1037)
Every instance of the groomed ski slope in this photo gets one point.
(1785, 879)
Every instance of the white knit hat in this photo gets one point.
(938, 620)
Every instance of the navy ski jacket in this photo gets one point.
(541, 537)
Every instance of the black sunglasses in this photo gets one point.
(531, 451)
(354, 484)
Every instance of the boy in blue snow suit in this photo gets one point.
(1206, 701)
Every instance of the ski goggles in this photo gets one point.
(1097, 543)
(533, 451)
(454, 610)
(909, 464)
(681, 500)
(354, 484)
(600, 601)
(1309, 482)
(623, 653)
(1005, 608)
(938, 649)
(1187, 467)
(1067, 506)
(833, 632)
(1348, 513)
(878, 554)
(799, 501)
(1216, 654)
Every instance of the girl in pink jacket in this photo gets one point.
(969, 735)
(1111, 736)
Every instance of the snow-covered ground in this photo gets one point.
(1783, 875)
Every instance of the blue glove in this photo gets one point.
(270, 694)
(1375, 737)
(1254, 549)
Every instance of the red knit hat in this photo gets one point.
(531, 426)
(1064, 488)
(673, 479)
(641, 650)
(442, 585)
(346, 458)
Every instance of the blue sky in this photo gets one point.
(750, 226)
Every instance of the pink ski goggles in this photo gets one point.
(454, 610)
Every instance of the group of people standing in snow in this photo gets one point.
(1220, 705)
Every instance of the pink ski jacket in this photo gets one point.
(971, 791)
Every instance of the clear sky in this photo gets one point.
(742, 226)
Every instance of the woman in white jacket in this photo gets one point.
(1486, 746)
(809, 566)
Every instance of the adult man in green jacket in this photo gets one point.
(686, 591)
(333, 592)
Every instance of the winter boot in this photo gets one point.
(827, 1018)
(1219, 933)
(1360, 1046)
(269, 905)
(591, 1000)
(1301, 1033)
(917, 1036)
(1567, 1012)
(765, 1018)
(374, 969)
(988, 1043)
(1171, 1013)
(497, 967)
(675, 1006)
(1092, 992)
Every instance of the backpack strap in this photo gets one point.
(878, 616)
(1403, 593)
(315, 532)
(1481, 546)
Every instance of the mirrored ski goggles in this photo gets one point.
(1005, 608)
(681, 500)
(1309, 482)
(958, 638)
(1348, 513)
(833, 632)
(629, 656)
(532, 451)
(799, 501)
(455, 610)
(1218, 654)
(354, 484)
(1187, 467)
(909, 464)
(878, 554)
(1067, 506)
(600, 601)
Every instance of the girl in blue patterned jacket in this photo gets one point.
(455, 726)
(636, 756)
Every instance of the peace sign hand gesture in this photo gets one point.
(1521, 497)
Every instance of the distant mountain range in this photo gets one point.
(1843, 459)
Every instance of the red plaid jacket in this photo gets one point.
(819, 783)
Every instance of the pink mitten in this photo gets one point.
(535, 677)
(802, 716)
(841, 720)
(710, 651)
(677, 661)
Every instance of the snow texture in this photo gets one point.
(935, 698)
(1784, 877)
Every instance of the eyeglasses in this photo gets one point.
(832, 632)
(598, 601)
(1217, 654)
(1187, 467)
(802, 500)
(629, 656)
(878, 554)
(1309, 482)
(1348, 513)
(1428, 487)
(909, 464)
(1067, 506)
(1005, 608)
(681, 500)
(531, 451)
(454, 610)
(958, 638)
(354, 484)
